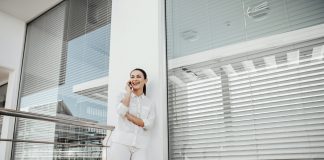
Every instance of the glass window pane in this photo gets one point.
(65, 74)
(197, 26)
(262, 103)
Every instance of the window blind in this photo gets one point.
(43, 51)
(66, 52)
(264, 105)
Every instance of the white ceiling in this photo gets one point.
(26, 10)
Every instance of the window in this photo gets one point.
(197, 26)
(264, 102)
(65, 74)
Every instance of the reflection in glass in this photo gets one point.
(65, 74)
(264, 105)
(71, 142)
(197, 26)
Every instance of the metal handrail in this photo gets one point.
(55, 143)
(61, 120)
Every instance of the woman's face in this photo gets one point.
(137, 80)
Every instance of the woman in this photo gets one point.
(136, 115)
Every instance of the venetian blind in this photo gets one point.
(264, 105)
(66, 47)
(43, 51)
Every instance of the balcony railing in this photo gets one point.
(56, 137)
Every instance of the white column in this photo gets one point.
(9, 122)
(12, 38)
(137, 40)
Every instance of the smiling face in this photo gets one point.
(137, 80)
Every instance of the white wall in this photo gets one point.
(12, 38)
(12, 33)
(137, 40)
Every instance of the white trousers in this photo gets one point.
(124, 152)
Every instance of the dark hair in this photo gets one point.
(145, 76)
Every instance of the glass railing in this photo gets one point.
(57, 137)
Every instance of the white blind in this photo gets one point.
(66, 47)
(265, 105)
(43, 51)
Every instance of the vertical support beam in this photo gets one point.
(138, 40)
(226, 97)
(9, 122)
(12, 40)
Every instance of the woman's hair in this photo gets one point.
(145, 76)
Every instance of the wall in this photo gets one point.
(137, 40)
(12, 33)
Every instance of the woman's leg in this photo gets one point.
(118, 152)
(139, 154)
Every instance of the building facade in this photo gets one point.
(238, 79)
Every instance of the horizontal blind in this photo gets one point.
(40, 79)
(67, 51)
(267, 105)
(43, 52)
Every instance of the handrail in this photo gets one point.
(55, 143)
(61, 120)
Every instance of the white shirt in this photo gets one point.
(128, 133)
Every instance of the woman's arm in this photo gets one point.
(135, 120)
(126, 99)
(123, 106)
(146, 123)
(149, 120)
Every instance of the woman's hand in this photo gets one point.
(127, 96)
(129, 87)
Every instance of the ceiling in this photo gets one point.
(26, 10)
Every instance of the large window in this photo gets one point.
(65, 74)
(253, 95)
(195, 26)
